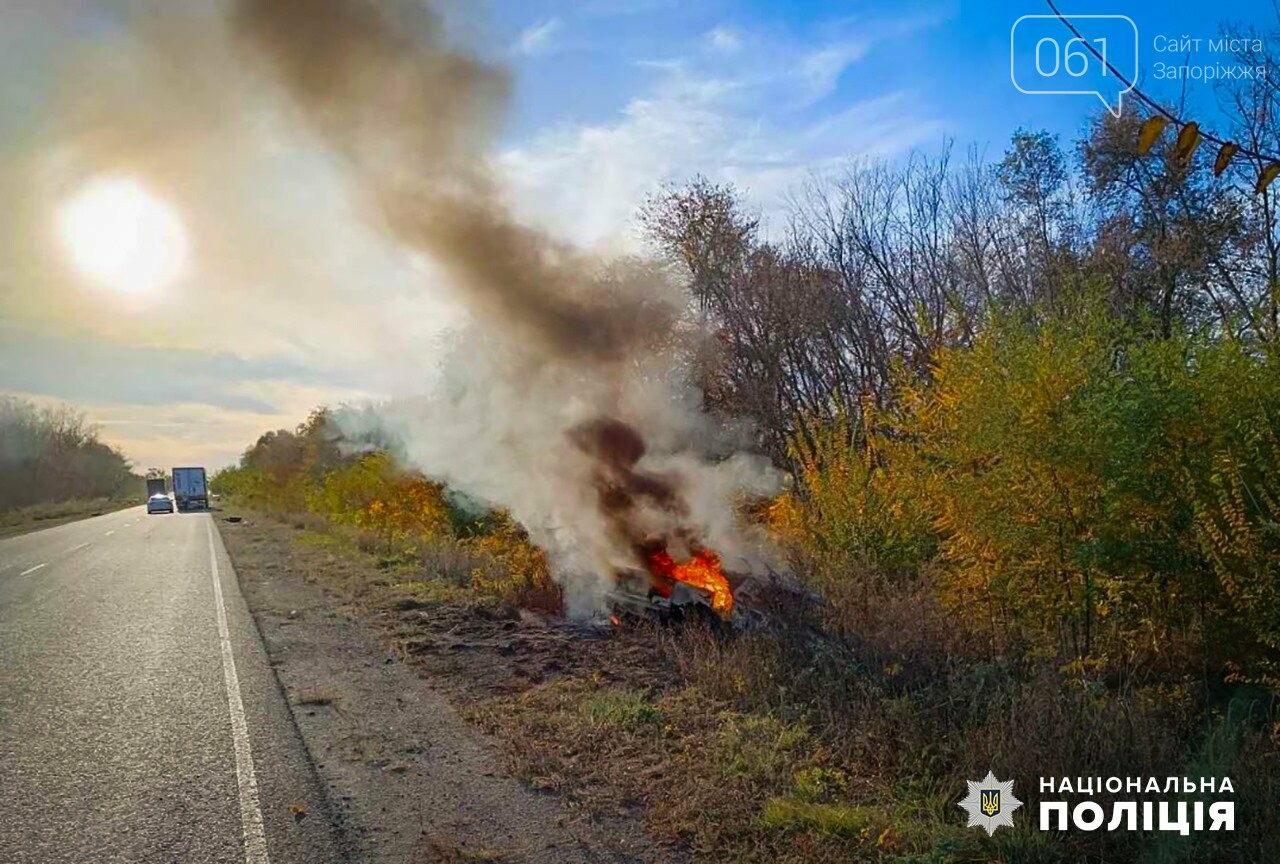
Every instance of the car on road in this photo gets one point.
(159, 503)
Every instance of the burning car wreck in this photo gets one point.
(675, 577)
(675, 593)
(700, 591)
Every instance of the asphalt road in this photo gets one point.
(139, 718)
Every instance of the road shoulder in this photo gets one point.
(409, 779)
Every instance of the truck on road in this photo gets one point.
(156, 486)
(190, 489)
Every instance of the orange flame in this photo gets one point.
(701, 571)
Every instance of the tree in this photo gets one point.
(782, 351)
(53, 454)
(1166, 230)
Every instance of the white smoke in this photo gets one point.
(498, 427)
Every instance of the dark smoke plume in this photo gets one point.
(569, 402)
(414, 117)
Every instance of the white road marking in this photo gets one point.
(77, 548)
(255, 839)
(108, 534)
(31, 570)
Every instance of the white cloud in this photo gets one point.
(724, 39)
(538, 39)
(748, 118)
(821, 69)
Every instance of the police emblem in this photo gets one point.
(990, 803)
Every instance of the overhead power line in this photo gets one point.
(1147, 100)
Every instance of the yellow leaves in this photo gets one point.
(1188, 140)
(375, 495)
(847, 510)
(1150, 133)
(509, 566)
(1003, 464)
(1054, 478)
(1185, 147)
(786, 517)
(1267, 175)
(1225, 154)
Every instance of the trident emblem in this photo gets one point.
(990, 801)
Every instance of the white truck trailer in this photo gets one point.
(190, 489)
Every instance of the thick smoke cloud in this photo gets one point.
(568, 401)
(414, 118)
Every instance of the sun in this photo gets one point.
(121, 236)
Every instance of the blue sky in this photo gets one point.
(294, 299)
(952, 56)
(944, 66)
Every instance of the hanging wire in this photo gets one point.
(1152, 103)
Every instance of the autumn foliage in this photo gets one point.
(1069, 488)
(1030, 409)
(390, 510)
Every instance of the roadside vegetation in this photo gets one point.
(53, 468)
(1032, 413)
(39, 516)
(383, 509)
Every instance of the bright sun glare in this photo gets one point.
(120, 235)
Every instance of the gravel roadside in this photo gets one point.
(409, 779)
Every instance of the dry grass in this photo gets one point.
(842, 738)
(39, 516)
(318, 696)
(727, 785)
(434, 851)
(305, 521)
(802, 745)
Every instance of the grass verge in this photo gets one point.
(37, 516)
